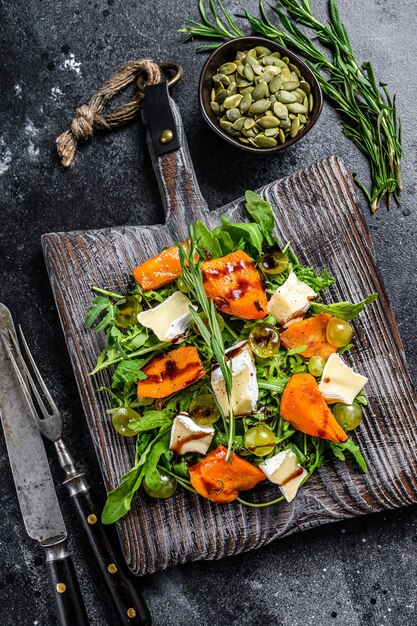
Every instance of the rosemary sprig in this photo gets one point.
(211, 333)
(369, 112)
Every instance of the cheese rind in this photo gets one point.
(187, 436)
(339, 383)
(284, 470)
(245, 385)
(170, 319)
(290, 300)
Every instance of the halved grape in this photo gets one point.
(316, 365)
(264, 341)
(348, 416)
(338, 332)
(273, 262)
(181, 284)
(127, 312)
(166, 489)
(260, 440)
(203, 410)
(121, 420)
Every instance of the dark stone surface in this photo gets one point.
(53, 57)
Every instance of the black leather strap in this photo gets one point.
(159, 118)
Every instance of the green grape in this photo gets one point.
(264, 341)
(348, 416)
(273, 262)
(181, 284)
(316, 365)
(203, 410)
(121, 420)
(338, 332)
(166, 489)
(260, 440)
(127, 312)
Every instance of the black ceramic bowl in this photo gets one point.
(227, 52)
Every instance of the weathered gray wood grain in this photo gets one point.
(316, 211)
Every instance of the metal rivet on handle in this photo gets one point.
(61, 587)
(131, 613)
(92, 519)
(112, 568)
(166, 136)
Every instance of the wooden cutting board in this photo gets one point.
(316, 211)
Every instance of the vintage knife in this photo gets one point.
(35, 488)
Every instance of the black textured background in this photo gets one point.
(54, 55)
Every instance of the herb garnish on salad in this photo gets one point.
(226, 367)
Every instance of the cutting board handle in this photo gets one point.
(181, 196)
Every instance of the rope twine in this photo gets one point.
(88, 117)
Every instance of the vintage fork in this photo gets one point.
(128, 602)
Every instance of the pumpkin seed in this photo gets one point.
(285, 96)
(269, 113)
(305, 87)
(245, 102)
(221, 78)
(268, 60)
(228, 68)
(260, 50)
(260, 106)
(233, 114)
(249, 133)
(265, 142)
(232, 89)
(271, 132)
(232, 101)
(248, 72)
(260, 90)
(290, 85)
(221, 95)
(258, 69)
(280, 110)
(275, 84)
(295, 127)
(285, 60)
(238, 124)
(310, 103)
(268, 121)
(241, 70)
(249, 123)
(296, 107)
(240, 55)
(244, 140)
(285, 123)
(242, 83)
(273, 99)
(285, 74)
(251, 59)
(215, 108)
(303, 118)
(268, 76)
(246, 90)
(227, 127)
(295, 69)
(252, 53)
(281, 135)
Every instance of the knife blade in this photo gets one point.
(34, 485)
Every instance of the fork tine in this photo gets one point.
(23, 384)
(30, 380)
(38, 375)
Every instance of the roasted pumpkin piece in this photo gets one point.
(171, 372)
(221, 481)
(310, 332)
(304, 407)
(233, 283)
(159, 270)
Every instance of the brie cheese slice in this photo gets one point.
(290, 300)
(284, 470)
(244, 383)
(339, 383)
(170, 319)
(187, 436)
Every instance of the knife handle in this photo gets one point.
(65, 588)
(128, 602)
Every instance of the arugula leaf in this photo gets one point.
(261, 212)
(343, 310)
(350, 446)
(206, 240)
(225, 241)
(100, 305)
(296, 350)
(128, 372)
(312, 278)
(151, 420)
(249, 232)
(152, 476)
(119, 500)
(362, 398)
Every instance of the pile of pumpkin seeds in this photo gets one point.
(260, 98)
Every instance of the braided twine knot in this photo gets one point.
(88, 117)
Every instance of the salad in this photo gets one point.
(227, 367)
